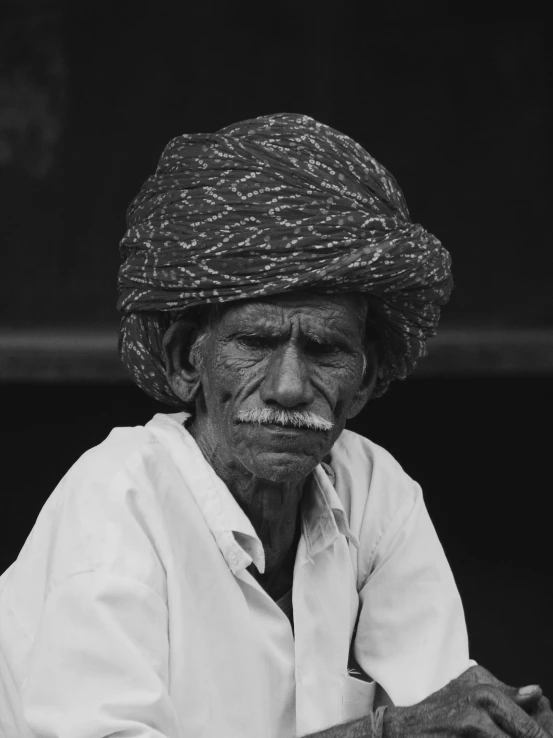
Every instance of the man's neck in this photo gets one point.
(272, 507)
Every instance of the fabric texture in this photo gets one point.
(270, 205)
(133, 591)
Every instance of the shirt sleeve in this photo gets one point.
(99, 665)
(411, 635)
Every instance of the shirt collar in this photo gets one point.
(237, 522)
(323, 515)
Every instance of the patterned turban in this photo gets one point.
(275, 204)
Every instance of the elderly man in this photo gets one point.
(245, 567)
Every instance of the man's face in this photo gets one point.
(289, 352)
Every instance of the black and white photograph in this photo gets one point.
(276, 370)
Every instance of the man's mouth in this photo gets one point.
(291, 428)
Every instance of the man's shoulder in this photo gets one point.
(105, 511)
(121, 447)
(126, 449)
(100, 484)
(129, 472)
(369, 479)
(367, 457)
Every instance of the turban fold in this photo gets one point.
(274, 204)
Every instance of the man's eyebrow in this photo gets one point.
(324, 337)
(257, 329)
(253, 330)
(342, 339)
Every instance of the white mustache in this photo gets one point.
(296, 418)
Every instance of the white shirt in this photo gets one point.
(130, 607)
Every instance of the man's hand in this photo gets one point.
(530, 698)
(475, 704)
(539, 708)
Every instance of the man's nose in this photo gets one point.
(287, 381)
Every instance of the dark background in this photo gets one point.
(455, 102)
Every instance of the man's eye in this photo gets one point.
(322, 349)
(258, 343)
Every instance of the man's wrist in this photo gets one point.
(390, 724)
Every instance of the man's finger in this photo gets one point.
(477, 674)
(528, 697)
(529, 689)
(543, 715)
(508, 715)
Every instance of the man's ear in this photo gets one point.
(373, 354)
(183, 377)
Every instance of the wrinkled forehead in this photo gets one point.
(313, 310)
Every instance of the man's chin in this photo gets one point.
(280, 466)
